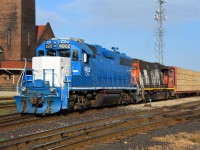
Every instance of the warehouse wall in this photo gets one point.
(8, 80)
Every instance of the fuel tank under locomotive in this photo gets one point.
(106, 99)
(79, 100)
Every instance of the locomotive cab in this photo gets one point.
(42, 91)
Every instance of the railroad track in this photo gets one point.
(8, 116)
(7, 106)
(108, 129)
(10, 121)
(16, 120)
(7, 102)
(22, 121)
(6, 98)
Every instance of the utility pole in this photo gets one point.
(160, 31)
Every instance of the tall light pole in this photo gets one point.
(160, 31)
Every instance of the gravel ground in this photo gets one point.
(90, 115)
(63, 121)
(143, 141)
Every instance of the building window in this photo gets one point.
(8, 77)
(1, 52)
(9, 36)
(28, 37)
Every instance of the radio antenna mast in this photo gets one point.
(160, 31)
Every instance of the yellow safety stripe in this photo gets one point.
(151, 89)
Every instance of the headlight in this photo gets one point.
(23, 89)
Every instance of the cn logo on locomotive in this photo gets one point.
(87, 71)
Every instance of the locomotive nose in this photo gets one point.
(46, 105)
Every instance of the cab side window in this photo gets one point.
(85, 58)
(75, 55)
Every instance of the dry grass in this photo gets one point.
(5, 111)
(181, 141)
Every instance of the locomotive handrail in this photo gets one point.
(21, 76)
(19, 81)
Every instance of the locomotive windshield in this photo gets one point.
(40, 53)
(64, 53)
(51, 53)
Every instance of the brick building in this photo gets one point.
(43, 32)
(19, 37)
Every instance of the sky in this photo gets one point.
(128, 25)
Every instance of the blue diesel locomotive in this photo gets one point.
(71, 75)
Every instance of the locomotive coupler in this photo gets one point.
(35, 100)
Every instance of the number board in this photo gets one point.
(48, 46)
(64, 46)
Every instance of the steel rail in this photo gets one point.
(92, 137)
(59, 133)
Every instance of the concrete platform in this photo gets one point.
(7, 93)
